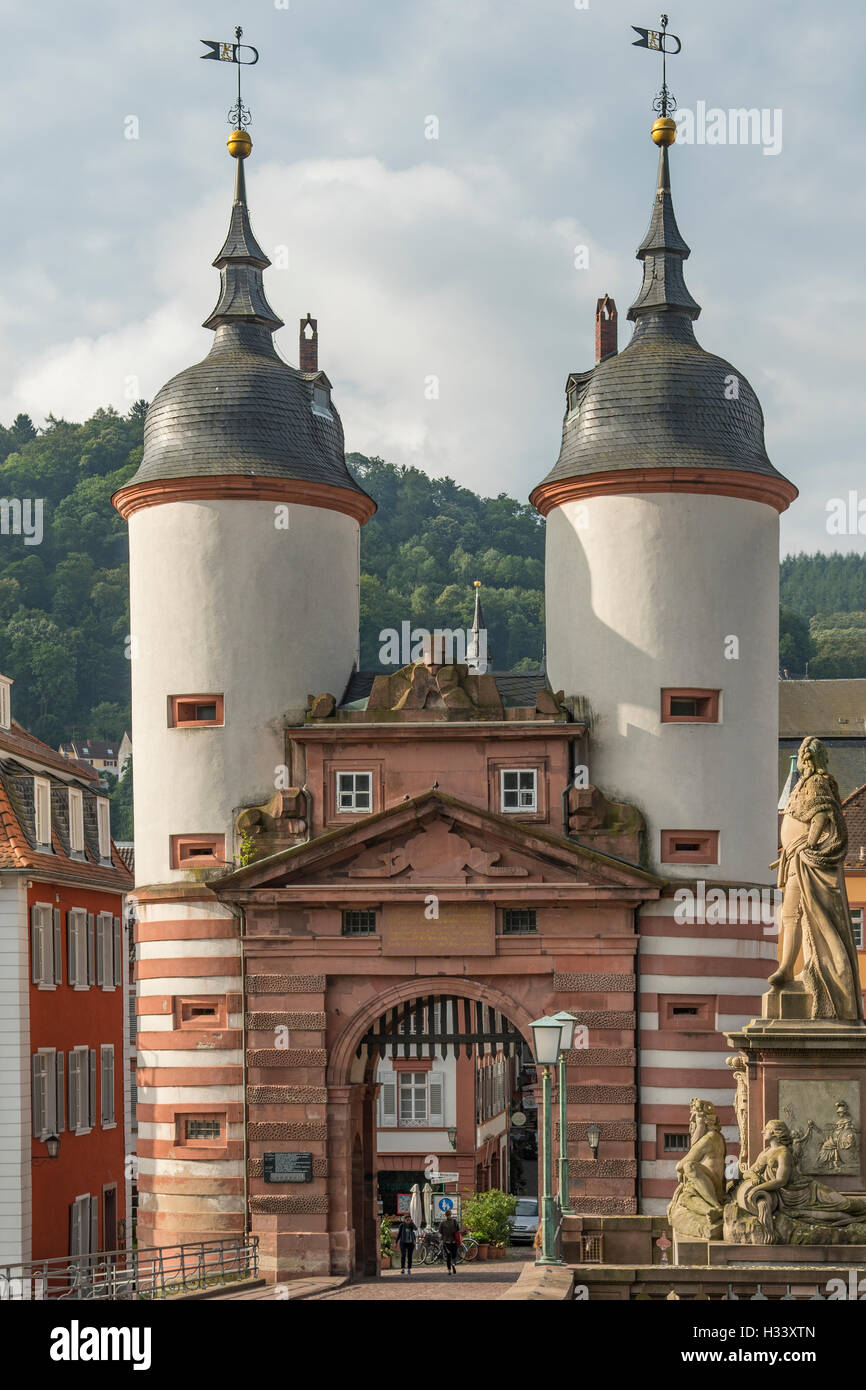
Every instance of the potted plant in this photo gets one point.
(489, 1215)
(386, 1243)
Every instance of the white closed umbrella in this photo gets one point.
(428, 1204)
(416, 1210)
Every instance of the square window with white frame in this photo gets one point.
(355, 791)
(518, 790)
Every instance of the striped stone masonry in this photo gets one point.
(264, 1022)
(285, 984)
(188, 949)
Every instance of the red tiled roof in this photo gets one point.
(17, 740)
(854, 810)
(15, 852)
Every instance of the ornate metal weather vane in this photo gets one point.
(664, 103)
(239, 116)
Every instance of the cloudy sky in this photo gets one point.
(451, 257)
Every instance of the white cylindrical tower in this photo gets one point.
(244, 569)
(244, 582)
(662, 578)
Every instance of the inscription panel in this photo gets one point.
(461, 929)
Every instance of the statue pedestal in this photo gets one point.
(811, 1073)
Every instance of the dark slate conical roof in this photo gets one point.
(243, 410)
(663, 402)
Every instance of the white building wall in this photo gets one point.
(644, 592)
(221, 601)
(15, 1121)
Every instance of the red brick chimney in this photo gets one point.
(308, 346)
(605, 328)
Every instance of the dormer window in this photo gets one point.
(76, 820)
(103, 827)
(5, 703)
(42, 810)
(322, 401)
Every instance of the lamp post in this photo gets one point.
(546, 1041)
(568, 1022)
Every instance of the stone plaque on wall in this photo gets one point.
(288, 1167)
(824, 1119)
(460, 929)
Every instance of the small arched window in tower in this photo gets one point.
(322, 400)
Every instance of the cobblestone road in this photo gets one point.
(480, 1280)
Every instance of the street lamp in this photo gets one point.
(52, 1144)
(593, 1138)
(546, 1044)
(452, 1136)
(569, 1022)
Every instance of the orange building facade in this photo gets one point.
(65, 1036)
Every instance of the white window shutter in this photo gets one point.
(90, 948)
(76, 820)
(91, 1089)
(74, 1075)
(388, 1103)
(71, 950)
(42, 808)
(103, 827)
(436, 1098)
(75, 1227)
(107, 1092)
(36, 949)
(58, 953)
(60, 1094)
(118, 958)
(100, 950)
(39, 1096)
(94, 1225)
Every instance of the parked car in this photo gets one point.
(525, 1221)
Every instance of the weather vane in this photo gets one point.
(239, 116)
(665, 103)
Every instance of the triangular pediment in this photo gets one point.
(435, 838)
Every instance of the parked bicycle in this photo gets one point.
(430, 1250)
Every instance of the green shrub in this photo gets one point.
(489, 1216)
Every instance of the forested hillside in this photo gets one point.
(824, 615)
(63, 601)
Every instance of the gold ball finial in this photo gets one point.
(239, 144)
(477, 583)
(664, 131)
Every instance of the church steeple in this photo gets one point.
(663, 249)
(241, 260)
(479, 655)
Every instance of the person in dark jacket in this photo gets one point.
(449, 1232)
(407, 1234)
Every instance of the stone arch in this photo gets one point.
(342, 1056)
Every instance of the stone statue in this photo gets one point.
(841, 1141)
(776, 1204)
(696, 1207)
(740, 1067)
(815, 915)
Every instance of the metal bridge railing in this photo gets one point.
(157, 1273)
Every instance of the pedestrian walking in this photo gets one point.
(407, 1234)
(449, 1232)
